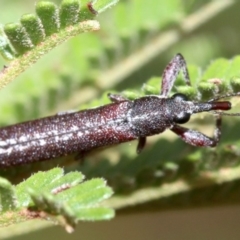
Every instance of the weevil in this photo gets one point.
(121, 121)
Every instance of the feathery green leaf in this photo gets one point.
(53, 194)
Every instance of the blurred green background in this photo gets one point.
(218, 36)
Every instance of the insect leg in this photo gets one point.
(170, 74)
(196, 138)
(91, 9)
(141, 144)
(79, 156)
(116, 97)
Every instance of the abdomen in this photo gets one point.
(61, 135)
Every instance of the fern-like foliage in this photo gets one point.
(36, 35)
(62, 199)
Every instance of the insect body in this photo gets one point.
(120, 121)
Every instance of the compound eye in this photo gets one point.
(180, 97)
(183, 119)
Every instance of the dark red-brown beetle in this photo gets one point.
(121, 121)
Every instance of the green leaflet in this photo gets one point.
(49, 19)
(36, 35)
(57, 195)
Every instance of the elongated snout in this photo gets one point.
(209, 106)
(224, 105)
